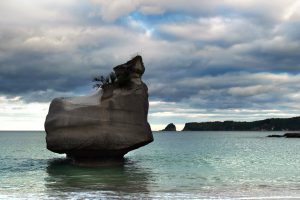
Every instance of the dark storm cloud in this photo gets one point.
(233, 90)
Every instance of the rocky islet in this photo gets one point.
(104, 125)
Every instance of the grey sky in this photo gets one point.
(208, 60)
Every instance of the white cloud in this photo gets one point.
(276, 10)
(251, 90)
(151, 10)
(15, 114)
(111, 10)
(34, 12)
(231, 30)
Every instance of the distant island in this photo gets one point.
(170, 127)
(273, 124)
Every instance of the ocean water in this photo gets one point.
(183, 165)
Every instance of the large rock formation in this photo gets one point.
(170, 127)
(105, 125)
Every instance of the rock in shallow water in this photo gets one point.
(277, 136)
(287, 135)
(105, 125)
(292, 135)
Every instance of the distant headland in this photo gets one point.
(273, 124)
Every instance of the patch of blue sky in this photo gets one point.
(166, 17)
(151, 23)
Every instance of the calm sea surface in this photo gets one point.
(186, 165)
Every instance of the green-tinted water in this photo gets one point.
(186, 165)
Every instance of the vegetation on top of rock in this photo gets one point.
(122, 80)
(102, 81)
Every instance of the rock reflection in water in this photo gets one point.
(125, 178)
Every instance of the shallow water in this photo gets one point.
(185, 165)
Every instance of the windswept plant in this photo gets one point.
(102, 81)
(123, 80)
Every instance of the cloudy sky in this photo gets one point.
(205, 60)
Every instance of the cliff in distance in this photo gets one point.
(274, 124)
